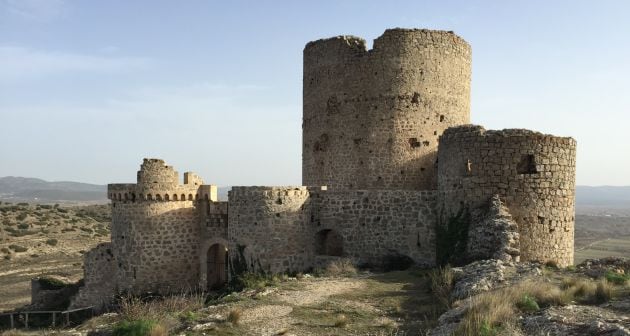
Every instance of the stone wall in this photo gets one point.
(375, 224)
(371, 119)
(268, 229)
(280, 229)
(99, 275)
(533, 173)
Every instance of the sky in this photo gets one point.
(89, 88)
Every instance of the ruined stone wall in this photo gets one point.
(375, 224)
(100, 269)
(533, 173)
(372, 118)
(268, 229)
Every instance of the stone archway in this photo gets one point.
(213, 263)
(216, 268)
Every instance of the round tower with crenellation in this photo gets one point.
(372, 118)
(155, 229)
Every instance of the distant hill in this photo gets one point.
(603, 196)
(34, 190)
(29, 189)
(37, 190)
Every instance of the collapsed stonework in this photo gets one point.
(390, 169)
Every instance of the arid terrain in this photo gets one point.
(49, 240)
(45, 240)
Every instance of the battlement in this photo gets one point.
(160, 182)
(395, 38)
(465, 131)
(267, 192)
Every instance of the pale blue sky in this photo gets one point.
(89, 88)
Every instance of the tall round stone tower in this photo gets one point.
(372, 118)
(533, 174)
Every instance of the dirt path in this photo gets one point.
(318, 290)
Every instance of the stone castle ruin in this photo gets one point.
(391, 169)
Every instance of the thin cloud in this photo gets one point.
(23, 63)
(35, 10)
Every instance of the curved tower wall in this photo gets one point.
(533, 173)
(155, 229)
(372, 118)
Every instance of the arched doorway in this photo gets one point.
(329, 243)
(216, 271)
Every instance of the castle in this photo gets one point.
(391, 168)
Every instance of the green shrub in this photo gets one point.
(22, 233)
(189, 316)
(18, 248)
(23, 204)
(52, 242)
(86, 229)
(250, 280)
(617, 278)
(528, 304)
(133, 328)
(551, 264)
(452, 239)
(21, 216)
(5, 250)
(487, 329)
(23, 226)
(47, 283)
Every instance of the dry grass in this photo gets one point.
(589, 291)
(234, 316)
(341, 267)
(442, 281)
(132, 308)
(158, 330)
(499, 309)
(604, 291)
(12, 332)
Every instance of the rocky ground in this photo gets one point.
(393, 303)
(496, 298)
